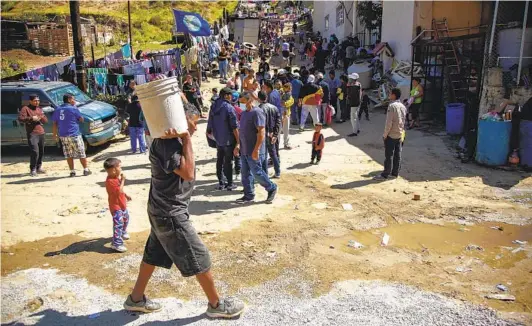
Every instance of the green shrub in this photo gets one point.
(155, 20)
(12, 67)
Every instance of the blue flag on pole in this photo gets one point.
(190, 22)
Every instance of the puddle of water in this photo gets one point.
(452, 239)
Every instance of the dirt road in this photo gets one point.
(57, 222)
(446, 253)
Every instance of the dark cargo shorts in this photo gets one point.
(174, 240)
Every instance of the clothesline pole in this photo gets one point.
(129, 20)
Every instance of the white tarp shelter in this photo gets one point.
(247, 30)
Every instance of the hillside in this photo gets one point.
(152, 21)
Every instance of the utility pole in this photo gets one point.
(78, 44)
(129, 20)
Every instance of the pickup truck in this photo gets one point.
(100, 119)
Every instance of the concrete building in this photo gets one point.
(336, 17)
(400, 19)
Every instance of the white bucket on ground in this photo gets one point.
(162, 106)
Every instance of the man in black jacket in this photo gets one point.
(272, 127)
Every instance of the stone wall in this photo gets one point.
(493, 91)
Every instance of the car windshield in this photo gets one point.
(57, 94)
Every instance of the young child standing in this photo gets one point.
(318, 143)
(117, 202)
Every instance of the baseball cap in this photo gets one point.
(353, 76)
(225, 91)
(311, 78)
(319, 75)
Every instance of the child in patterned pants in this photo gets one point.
(117, 202)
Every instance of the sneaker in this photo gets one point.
(87, 172)
(301, 129)
(120, 248)
(126, 236)
(352, 134)
(33, 173)
(72, 174)
(288, 147)
(271, 195)
(41, 171)
(318, 162)
(275, 176)
(380, 177)
(230, 187)
(229, 307)
(312, 162)
(146, 305)
(220, 187)
(392, 177)
(245, 200)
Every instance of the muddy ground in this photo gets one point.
(61, 224)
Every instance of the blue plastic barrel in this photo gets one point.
(493, 142)
(454, 118)
(525, 143)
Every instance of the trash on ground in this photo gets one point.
(355, 244)
(501, 287)
(385, 239)
(207, 232)
(331, 247)
(471, 247)
(417, 197)
(271, 254)
(520, 242)
(34, 304)
(94, 315)
(347, 207)
(502, 297)
(500, 228)
(319, 205)
(461, 269)
(516, 250)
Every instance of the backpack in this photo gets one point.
(353, 95)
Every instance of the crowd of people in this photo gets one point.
(245, 123)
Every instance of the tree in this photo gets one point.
(370, 14)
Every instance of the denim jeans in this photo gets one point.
(392, 150)
(272, 151)
(137, 134)
(222, 65)
(36, 143)
(224, 160)
(253, 170)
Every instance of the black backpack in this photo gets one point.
(353, 95)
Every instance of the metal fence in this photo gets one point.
(367, 37)
(509, 42)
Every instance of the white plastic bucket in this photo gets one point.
(162, 106)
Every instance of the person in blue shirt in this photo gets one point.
(66, 120)
(296, 88)
(223, 125)
(253, 151)
(333, 83)
(274, 98)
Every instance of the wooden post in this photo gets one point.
(129, 22)
(78, 44)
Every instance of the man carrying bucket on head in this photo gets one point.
(173, 172)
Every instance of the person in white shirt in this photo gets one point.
(393, 136)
